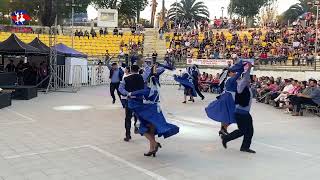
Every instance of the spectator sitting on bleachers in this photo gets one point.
(264, 94)
(76, 34)
(101, 32)
(291, 88)
(214, 85)
(86, 34)
(93, 33)
(115, 31)
(105, 32)
(302, 99)
(120, 32)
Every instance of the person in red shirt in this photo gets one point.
(203, 80)
(264, 57)
(214, 85)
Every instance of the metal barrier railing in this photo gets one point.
(78, 76)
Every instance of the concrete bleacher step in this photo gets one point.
(285, 68)
(152, 42)
(317, 65)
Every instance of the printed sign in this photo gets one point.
(20, 17)
(210, 62)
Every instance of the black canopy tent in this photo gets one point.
(13, 46)
(40, 45)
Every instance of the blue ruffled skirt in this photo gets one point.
(148, 115)
(222, 110)
(188, 86)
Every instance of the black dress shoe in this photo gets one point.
(113, 101)
(248, 151)
(224, 142)
(223, 132)
(158, 146)
(127, 139)
(202, 98)
(136, 130)
(152, 153)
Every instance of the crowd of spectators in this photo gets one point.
(269, 45)
(288, 94)
(135, 30)
(15, 29)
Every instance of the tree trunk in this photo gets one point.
(48, 13)
(249, 22)
(138, 15)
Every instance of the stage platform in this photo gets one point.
(80, 136)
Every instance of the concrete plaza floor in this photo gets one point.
(80, 136)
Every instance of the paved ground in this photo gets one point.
(79, 136)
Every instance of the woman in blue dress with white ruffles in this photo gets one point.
(186, 80)
(222, 109)
(145, 104)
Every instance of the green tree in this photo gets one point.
(46, 10)
(187, 10)
(127, 8)
(247, 8)
(4, 10)
(108, 4)
(4, 6)
(138, 6)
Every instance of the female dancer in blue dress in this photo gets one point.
(156, 70)
(222, 109)
(186, 81)
(145, 104)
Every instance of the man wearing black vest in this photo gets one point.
(131, 83)
(195, 76)
(116, 74)
(243, 103)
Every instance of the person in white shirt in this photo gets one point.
(121, 54)
(285, 91)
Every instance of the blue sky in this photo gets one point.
(213, 5)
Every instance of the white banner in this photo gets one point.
(210, 62)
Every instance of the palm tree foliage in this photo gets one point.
(187, 10)
(296, 10)
(247, 8)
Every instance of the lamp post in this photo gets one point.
(316, 4)
(72, 5)
(222, 9)
(176, 19)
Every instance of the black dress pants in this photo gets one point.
(127, 123)
(246, 130)
(196, 86)
(297, 102)
(115, 87)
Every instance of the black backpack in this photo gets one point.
(243, 99)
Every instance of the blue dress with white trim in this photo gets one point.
(187, 82)
(222, 109)
(146, 106)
